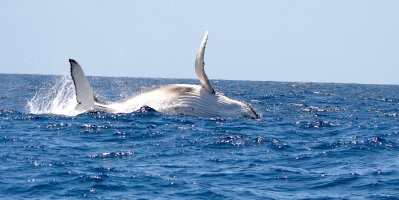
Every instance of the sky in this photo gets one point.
(341, 41)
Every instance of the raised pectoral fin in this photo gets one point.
(84, 93)
(199, 66)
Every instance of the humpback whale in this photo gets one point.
(187, 99)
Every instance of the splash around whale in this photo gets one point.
(195, 100)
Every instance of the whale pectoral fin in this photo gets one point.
(84, 93)
(199, 66)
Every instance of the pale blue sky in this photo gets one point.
(349, 41)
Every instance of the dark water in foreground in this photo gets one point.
(315, 141)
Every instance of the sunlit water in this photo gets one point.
(314, 141)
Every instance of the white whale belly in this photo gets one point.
(181, 99)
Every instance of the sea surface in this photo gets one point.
(314, 141)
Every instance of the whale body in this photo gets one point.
(187, 99)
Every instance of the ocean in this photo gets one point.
(314, 141)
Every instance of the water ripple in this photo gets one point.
(315, 141)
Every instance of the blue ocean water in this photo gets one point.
(314, 141)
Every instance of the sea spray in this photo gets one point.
(58, 98)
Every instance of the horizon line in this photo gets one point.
(217, 79)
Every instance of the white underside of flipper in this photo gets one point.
(84, 93)
(200, 64)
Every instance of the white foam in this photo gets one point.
(59, 99)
